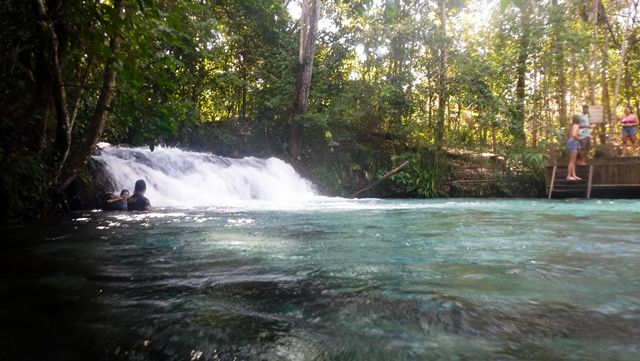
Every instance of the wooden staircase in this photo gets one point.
(560, 185)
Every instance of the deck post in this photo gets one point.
(553, 179)
(590, 181)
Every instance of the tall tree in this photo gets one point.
(623, 54)
(65, 167)
(75, 43)
(308, 34)
(526, 11)
(442, 74)
(558, 21)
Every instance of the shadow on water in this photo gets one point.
(59, 315)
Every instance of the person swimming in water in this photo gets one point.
(138, 202)
(115, 203)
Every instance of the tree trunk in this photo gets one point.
(536, 99)
(383, 178)
(91, 136)
(494, 140)
(517, 127)
(243, 99)
(308, 33)
(627, 82)
(606, 99)
(629, 88)
(43, 103)
(591, 95)
(63, 126)
(85, 80)
(621, 63)
(594, 52)
(442, 76)
(558, 25)
(430, 112)
(572, 84)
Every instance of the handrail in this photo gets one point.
(553, 179)
(590, 182)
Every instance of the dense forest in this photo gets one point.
(471, 90)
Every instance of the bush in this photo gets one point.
(526, 171)
(424, 175)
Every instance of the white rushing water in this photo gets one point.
(177, 178)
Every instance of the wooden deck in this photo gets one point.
(610, 178)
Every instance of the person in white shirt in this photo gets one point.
(585, 136)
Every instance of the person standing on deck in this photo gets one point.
(585, 136)
(629, 130)
(573, 146)
(138, 202)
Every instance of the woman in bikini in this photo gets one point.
(573, 146)
(629, 130)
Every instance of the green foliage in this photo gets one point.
(423, 176)
(191, 62)
(527, 160)
(24, 190)
(526, 168)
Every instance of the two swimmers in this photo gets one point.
(136, 202)
(115, 203)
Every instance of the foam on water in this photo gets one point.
(177, 178)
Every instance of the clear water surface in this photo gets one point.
(463, 279)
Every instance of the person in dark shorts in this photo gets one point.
(629, 130)
(573, 146)
(138, 202)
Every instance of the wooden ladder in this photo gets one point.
(560, 184)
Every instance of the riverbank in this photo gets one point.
(202, 179)
(428, 174)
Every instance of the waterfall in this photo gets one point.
(177, 178)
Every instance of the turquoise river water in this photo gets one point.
(462, 279)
